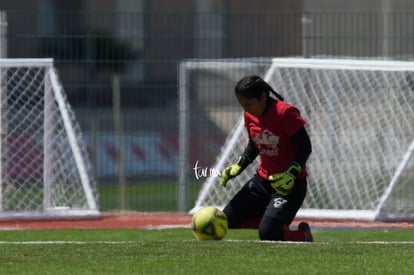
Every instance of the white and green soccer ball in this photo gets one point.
(209, 223)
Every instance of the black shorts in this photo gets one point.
(257, 198)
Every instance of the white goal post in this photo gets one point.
(360, 117)
(45, 171)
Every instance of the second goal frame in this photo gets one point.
(324, 88)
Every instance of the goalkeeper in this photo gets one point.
(276, 192)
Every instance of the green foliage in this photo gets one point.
(102, 48)
(175, 251)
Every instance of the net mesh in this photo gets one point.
(39, 171)
(360, 118)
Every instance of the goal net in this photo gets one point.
(360, 117)
(44, 171)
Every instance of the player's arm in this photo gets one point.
(283, 182)
(249, 154)
(302, 141)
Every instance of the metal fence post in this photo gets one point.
(3, 34)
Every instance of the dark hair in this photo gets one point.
(253, 86)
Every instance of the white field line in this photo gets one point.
(241, 241)
(67, 242)
(149, 227)
(354, 242)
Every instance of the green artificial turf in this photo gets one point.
(175, 251)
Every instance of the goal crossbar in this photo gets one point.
(344, 64)
(26, 62)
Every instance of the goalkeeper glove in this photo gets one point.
(230, 172)
(283, 182)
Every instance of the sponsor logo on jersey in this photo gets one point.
(267, 142)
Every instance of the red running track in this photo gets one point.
(140, 220)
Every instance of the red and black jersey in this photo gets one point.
(271, 134)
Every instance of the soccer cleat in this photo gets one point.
(303, 226)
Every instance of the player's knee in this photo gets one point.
(270, 231)
(232, 220)
(266, 234)
(232, 224)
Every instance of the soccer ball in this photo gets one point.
(209, 223)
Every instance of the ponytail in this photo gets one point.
(277, 95)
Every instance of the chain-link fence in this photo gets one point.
(133, 56)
